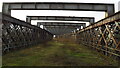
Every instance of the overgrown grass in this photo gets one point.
(57, 54)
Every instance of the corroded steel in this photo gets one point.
(103, 36)
(19, 34)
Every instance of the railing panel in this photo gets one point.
(103, 36)
(19, 34)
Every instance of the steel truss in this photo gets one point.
(18, 34)
(103, 36)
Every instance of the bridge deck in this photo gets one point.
(57, 54)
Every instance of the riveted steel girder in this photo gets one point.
(7, 7)
(60, 18)
(59, 28)
(112, 18)
(60, 24)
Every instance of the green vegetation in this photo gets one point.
(57, 54)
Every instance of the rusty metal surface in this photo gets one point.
(112, 18)
(18, 34)
(103, 36)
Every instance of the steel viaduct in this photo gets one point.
(104, 35)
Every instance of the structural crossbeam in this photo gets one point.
(60, 24)
(7, 7)
(112, 18)
(60, 18)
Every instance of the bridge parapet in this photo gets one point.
(103, 36)
(19, 34)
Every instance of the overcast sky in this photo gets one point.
(21, 14)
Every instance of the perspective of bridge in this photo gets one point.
(56, 28)
(103, 36)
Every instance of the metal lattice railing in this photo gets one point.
(103, 36)
(19, 34)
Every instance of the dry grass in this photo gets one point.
(57, 54)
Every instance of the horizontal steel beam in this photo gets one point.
(55, 26)
(17, 21)
(60, 24)
(60, 18)
(7, 7)
(64, 25)
(59, 30)
(112, 18)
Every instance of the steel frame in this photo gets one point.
(19, 34)
(7, 7)
(60, 24)
(56, 28)
(103, 36)
(60, 18)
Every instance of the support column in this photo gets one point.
(28, 20)
(1, 24)
(92, 21)
(84, 26)
(106, 14)
(6, 10)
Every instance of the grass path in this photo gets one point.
(57, 54)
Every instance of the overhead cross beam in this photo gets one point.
(60, 24)
(60, 18)
(59, 28)
(7, 7)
